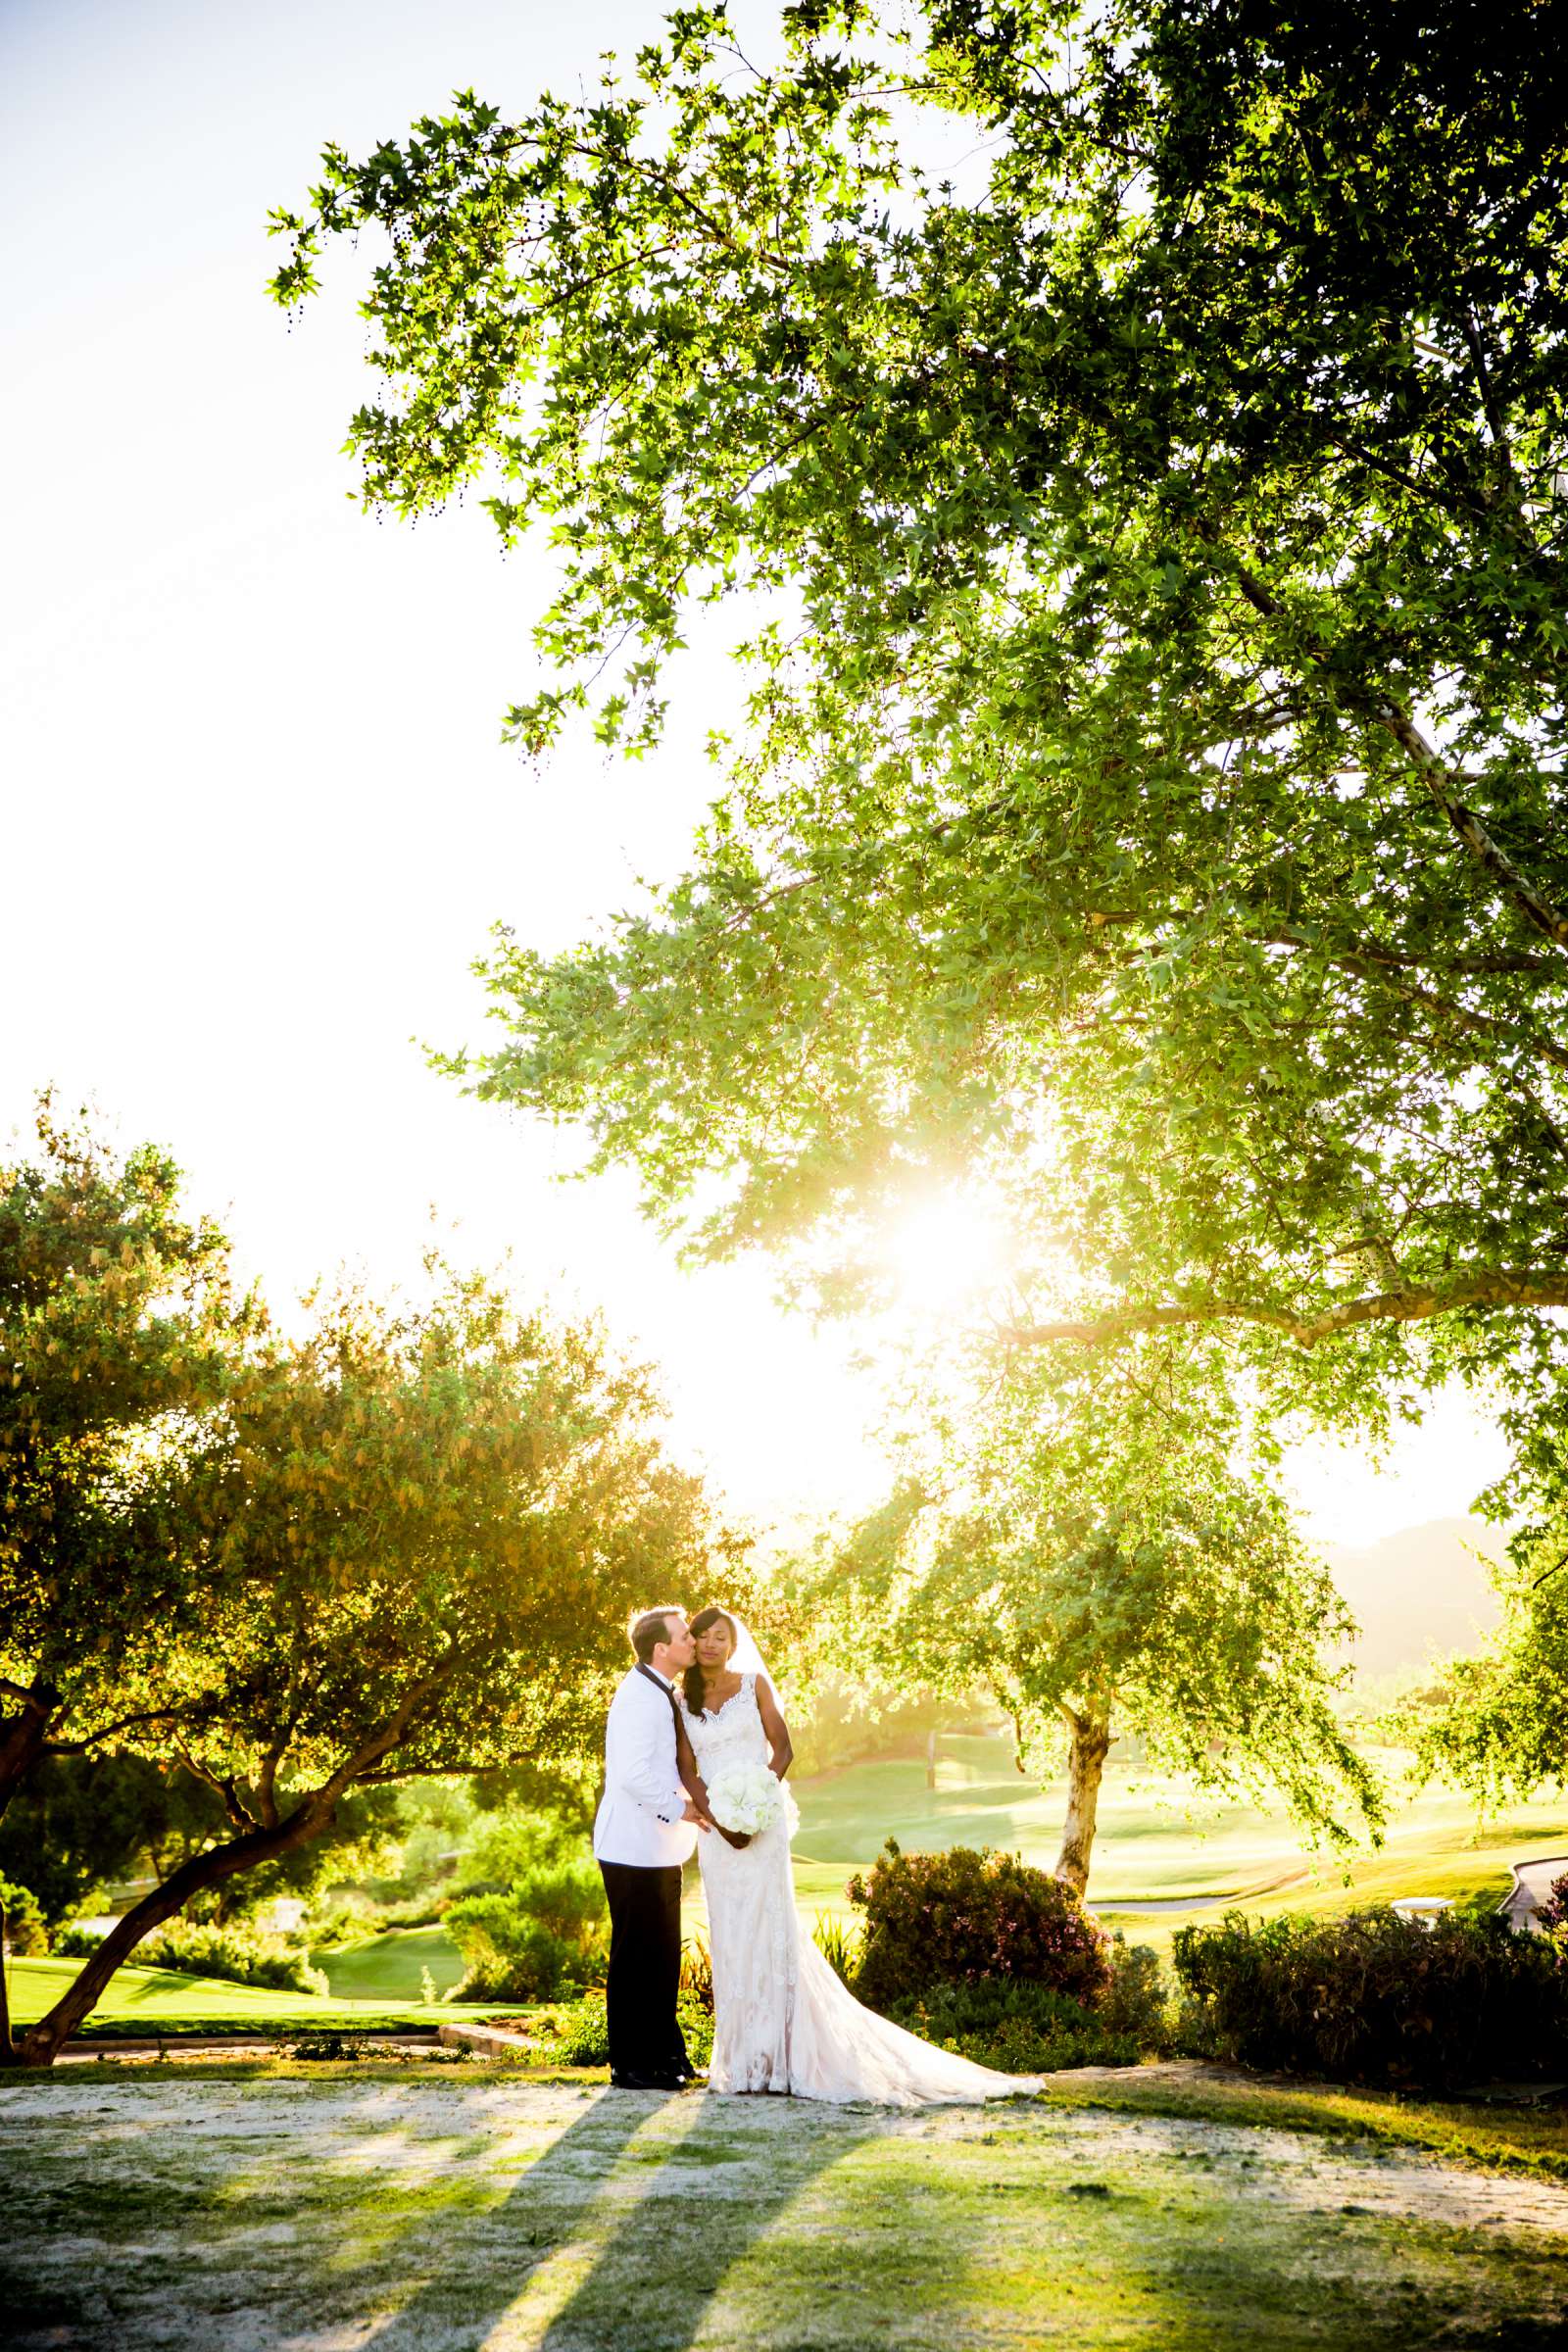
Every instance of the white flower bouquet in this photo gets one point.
(749, 1798)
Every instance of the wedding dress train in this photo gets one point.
(782, 2020)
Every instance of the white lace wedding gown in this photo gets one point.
(782, 2020)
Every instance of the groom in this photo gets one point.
(645, 1829)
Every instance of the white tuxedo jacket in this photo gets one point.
(639, 1819)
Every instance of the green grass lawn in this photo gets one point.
(163, 2001)
(1441, 1862)
(1157, 1842)
(437, 2211)
(386, 1967)
(1528, 2140)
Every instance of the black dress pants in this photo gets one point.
(644, 2035)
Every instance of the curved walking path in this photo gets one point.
(441, 2215)
(1533, 1881)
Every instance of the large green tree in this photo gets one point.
(1153, 532)
(1103, 1549)
(417, 1535)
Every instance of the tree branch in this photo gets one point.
(1535, 908)
(40, 2043)
(266, 1784)
(121, 1723)
(1533, 904)
(1370, 966)
(1488, 397)
(1507, 1287)
(381, 1744)
(1554, 1133)
(255, 1843)
(229, 1790)
(650, 169)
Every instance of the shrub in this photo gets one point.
(1372, 1997)
(236, 1955)
(508, 1845)
(77, 1942)
(352, 1918)
(1032, 2029)
(583, 2031)
(426, 1861)
(1017, 2026)
(25, 1934)
(1553, 1912)
(960, 1917)
(697, 2025)
(330, 2048)
(539, 1938)
(425, 1911)
(1136, 2003)
(512, 1956)
(584, 2034)
(529, 1917)
(347, 1919)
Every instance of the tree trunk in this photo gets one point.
(5, 1990)
(22, 1736)
(40, 2045)
(1086, 1765)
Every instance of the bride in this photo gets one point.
(782, 2018)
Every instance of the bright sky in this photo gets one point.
(258, 818)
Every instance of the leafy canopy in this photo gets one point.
(1152, 538)
(1154, 775)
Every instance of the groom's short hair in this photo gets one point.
(650, 1628)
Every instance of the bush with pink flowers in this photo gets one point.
(965, 1918)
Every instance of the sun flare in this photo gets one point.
(944, 1252)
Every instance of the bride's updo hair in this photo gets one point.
(694, 1674)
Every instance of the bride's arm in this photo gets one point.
(691, 1779)
(697, 1789)
(781, 1752)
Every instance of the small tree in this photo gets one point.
(118, 1317)
(414, 1537)
(1088, 1549)
(1492, 1724)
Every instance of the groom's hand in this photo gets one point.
(697, 1810)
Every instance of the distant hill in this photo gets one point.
(1420, 1591)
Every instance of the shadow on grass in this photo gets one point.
(640, 2261)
